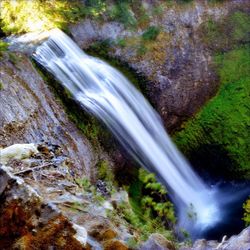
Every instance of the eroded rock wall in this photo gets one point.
(178, 64)
(29, 112)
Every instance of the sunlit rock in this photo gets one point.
(17, 152)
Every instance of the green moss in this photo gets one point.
(105, 173)
(3, 46)
(93, 129)
(225, 120)
(226, 33)
(1, 85)
(141, 50)
(122, 12)
(246, 217)
(151, 33)
(94, 8)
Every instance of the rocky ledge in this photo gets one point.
(44, 206)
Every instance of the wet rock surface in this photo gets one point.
(30, 113)
(177, 65)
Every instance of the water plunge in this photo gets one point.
(108, 95)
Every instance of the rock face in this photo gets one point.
(44, 206)
(157, 242)
(236, 242)
(30, 113)
(177, 64)
(26, 222)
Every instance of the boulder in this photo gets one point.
(157, 242)
(26, 222)
(17, 152)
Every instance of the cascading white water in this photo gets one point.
(107, 94)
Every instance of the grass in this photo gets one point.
(225, 120)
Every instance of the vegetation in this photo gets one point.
(38, 15)
(226, 33)
(224, 121)
(122, 12)
(151, 33)
(3, 46)
(149, 196)
(246, 217)
(143, 224)
(93, 129)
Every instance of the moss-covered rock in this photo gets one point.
(223, 124)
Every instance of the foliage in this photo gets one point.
(87, 187)
(85, 184)
(246, 217)
(122, 12)
(3, 46)
(94, 8)
(38, 15)
(151, 33)
(148, 210)
(154, 199)
(148, 200)
(121, 42)
(1, 85)
(105, 173)
(228, 32)
(225, 119)
(140, 222)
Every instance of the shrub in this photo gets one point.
(122, 12)
(151, 33)
(155, 199)
(22, 16)
(94, 8)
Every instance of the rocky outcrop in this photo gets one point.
(236, 242)
(157, 242)
(30, 113)
(41, 201)
(26, 222)
(177, 63)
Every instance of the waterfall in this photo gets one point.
(108, 95)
